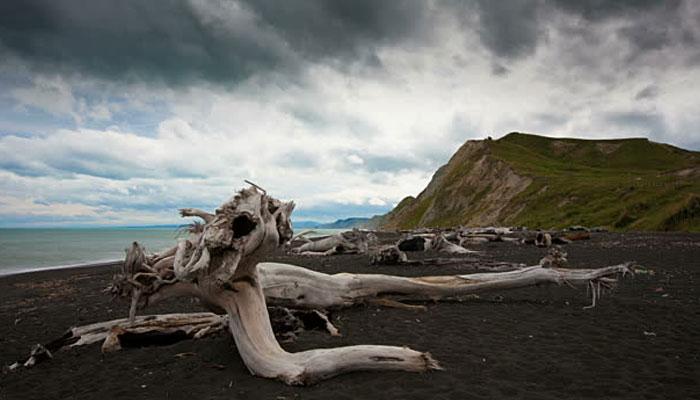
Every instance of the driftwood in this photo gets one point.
(440, 243)
(474, 236)
(349, 242)
(298, 287)
(435, 242)
(388, 255)
(413, 243)
(392, 255)
(122, 333)
(219, 263)
(165, 329)
(303, 288)
(543, 239)
(555, 258)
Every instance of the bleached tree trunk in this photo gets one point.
(219, 265)
(250, 325)
(294, 286)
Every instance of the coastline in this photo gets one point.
(69, 267)
(40, 249)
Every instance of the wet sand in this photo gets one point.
(641, 342)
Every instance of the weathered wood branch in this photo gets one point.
(165, 329)
(194, 212)
(142, 331)
(300, 287)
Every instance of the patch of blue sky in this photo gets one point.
(332, 211)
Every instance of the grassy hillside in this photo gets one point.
(625, 184)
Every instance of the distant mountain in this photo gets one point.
(306, 224)
(347, 223)
(537, 181)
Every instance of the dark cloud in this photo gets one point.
(164, 40)
(178, 42)
(324, 28)
(509, 28)
(638, 123)
(649, 92)
(647, 25)
(646, 37)
(499, 70)
(596, 10)
(514, 29)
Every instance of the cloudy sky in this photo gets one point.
(118, 112)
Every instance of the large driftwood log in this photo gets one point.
(300, 287)
(219, 264)
(143, 330)
(119, 333)
(165, 329)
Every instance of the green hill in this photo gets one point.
(541, 182)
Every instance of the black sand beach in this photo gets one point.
(641, 342)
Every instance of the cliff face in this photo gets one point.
(543, 182)
(473, 188)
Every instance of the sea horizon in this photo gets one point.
(26, 249)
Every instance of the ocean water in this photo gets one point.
(33, 249)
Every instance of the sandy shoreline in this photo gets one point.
(531, 343)
(94, 264)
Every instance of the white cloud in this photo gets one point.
(56, 95)
(355, 159)
(53, 95)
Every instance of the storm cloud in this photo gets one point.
(178, 42)
(182, 41)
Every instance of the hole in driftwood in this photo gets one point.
(66, 340)
(242, 225)
(311, 320)
(415, 243)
